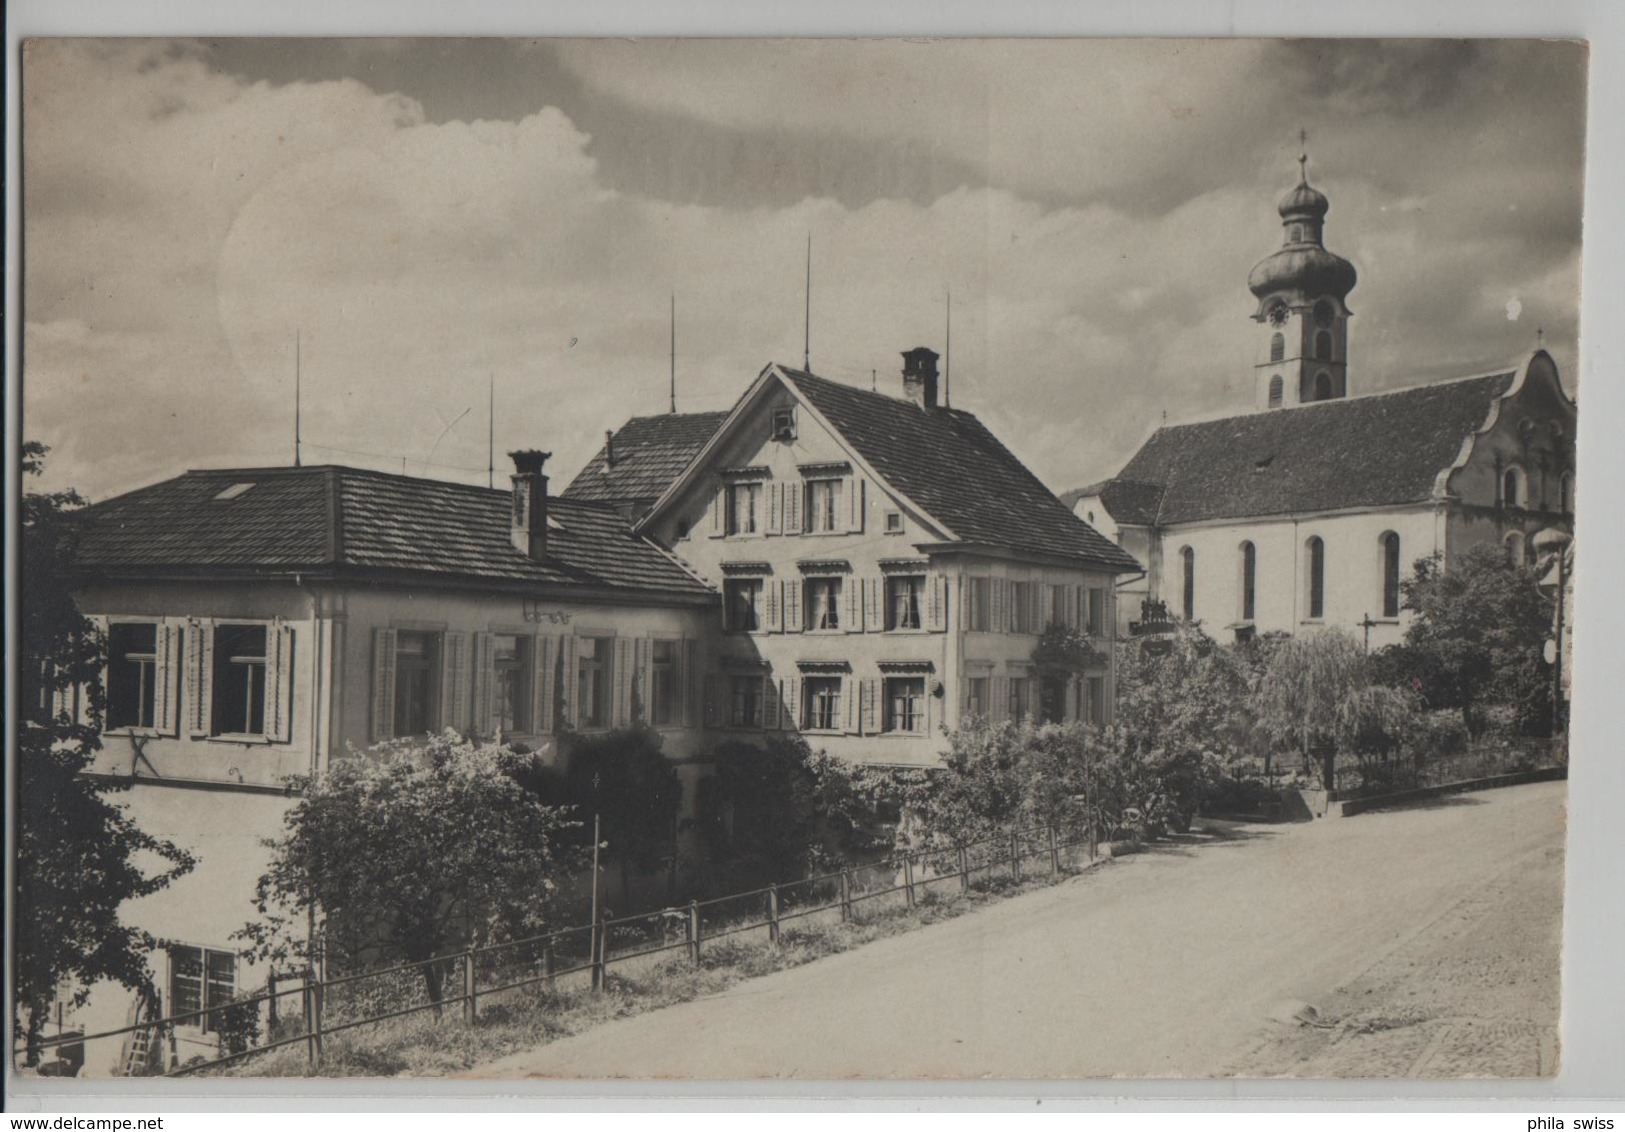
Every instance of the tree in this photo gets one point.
(77, 852)
(1302, 697)
(1479, 630)
(409, 851)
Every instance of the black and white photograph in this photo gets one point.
(819, 559)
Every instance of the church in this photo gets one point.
(1312, 508)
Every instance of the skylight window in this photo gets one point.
(235, 491)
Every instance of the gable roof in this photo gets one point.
(650, 452)
(1126, 501)
(351, 521)
(1377, 450)
(948, 464)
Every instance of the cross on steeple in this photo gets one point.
(1303, 156)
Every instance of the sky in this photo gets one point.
(435, 220)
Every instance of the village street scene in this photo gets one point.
(654, 559)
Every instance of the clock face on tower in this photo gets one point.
(1324, 314)
(1277, 314)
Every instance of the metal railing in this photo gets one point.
(590, 949)
(1372, 777)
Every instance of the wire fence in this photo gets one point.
(317, 1006)
(1368, 778)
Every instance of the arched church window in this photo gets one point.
(1187, 599)
(1277, 347)
(1249, 581)
(1275, 392)
(1512, 494)
(1390, 574)
(1323, 345)
(1315, 581)
(1514, 548)
(1323, 386)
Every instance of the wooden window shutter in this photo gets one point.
(793, 522)
(569, 701)
(775, 508)
(874, 605)
(857, 494)
(642, 678)
(772, 702)
(714, 688)
(998, 694)
(719, 512)
(200, 676)
(383, 684)
(167, 677)
(454, 682)
(1072, 713)
(546, 676)
(849, 703)
(792, 703)
(852, 600)
(278, 680)
(485, 673)
(997, 620)
(937, 604)
(621, 675)
(773, 597)
(688, 680)
(870, 723)
(795, 604)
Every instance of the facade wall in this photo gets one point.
(874, 536)
(1353, 576)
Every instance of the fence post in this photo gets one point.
(1015, 854)
(270, 1004)
(600, 961)
(313, 1023)
(694, 931)
(1054, 854)
(908, 878)
(471, 1006)
(846, 896)
(773, 913)
(964, 869)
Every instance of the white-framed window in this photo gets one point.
(663, 670)
(894, 522)
(239, 679)
(905, 594)
(905, 704)
(784, 423)
(744, 508)
(821, 703)
(823, 603)
(745, 699)
(976, 696)
(511, 683)
(1020, 691)
(594, 658)
(742, 604)
(200, 978)
(132, 674)
(417, 681)
(1094, 615)
(823, 498)
(978, 610)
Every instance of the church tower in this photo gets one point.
(1301, 312)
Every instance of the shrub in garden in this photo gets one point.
(408, 851)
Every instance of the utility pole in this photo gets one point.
(806, 341)
(674, 351)
(491, 431)
(296, 393)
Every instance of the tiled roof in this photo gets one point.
(650, 452)
(1127, 501)
(947, 461)
(349, 519)
(1379, 450)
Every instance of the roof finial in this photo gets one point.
(1303, 157)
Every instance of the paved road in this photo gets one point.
(1172, 963)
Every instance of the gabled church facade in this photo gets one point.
(1312, 509)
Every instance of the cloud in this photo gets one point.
(183, 224)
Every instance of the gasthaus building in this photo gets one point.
(861, 569)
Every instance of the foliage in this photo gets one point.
(625, 778)
(238, 1023)
(1478, 635)
(782, 809)
(1191, 699)
(411, 850)
(1375, 721)
(1301, 697)
(1065, 650)
(79, 856)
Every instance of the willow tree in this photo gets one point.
(1304, 697)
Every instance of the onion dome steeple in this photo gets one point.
(1301, 289)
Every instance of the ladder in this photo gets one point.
(142, 1053)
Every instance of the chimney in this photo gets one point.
(920, 377)
(527, 528)
(609, 448)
